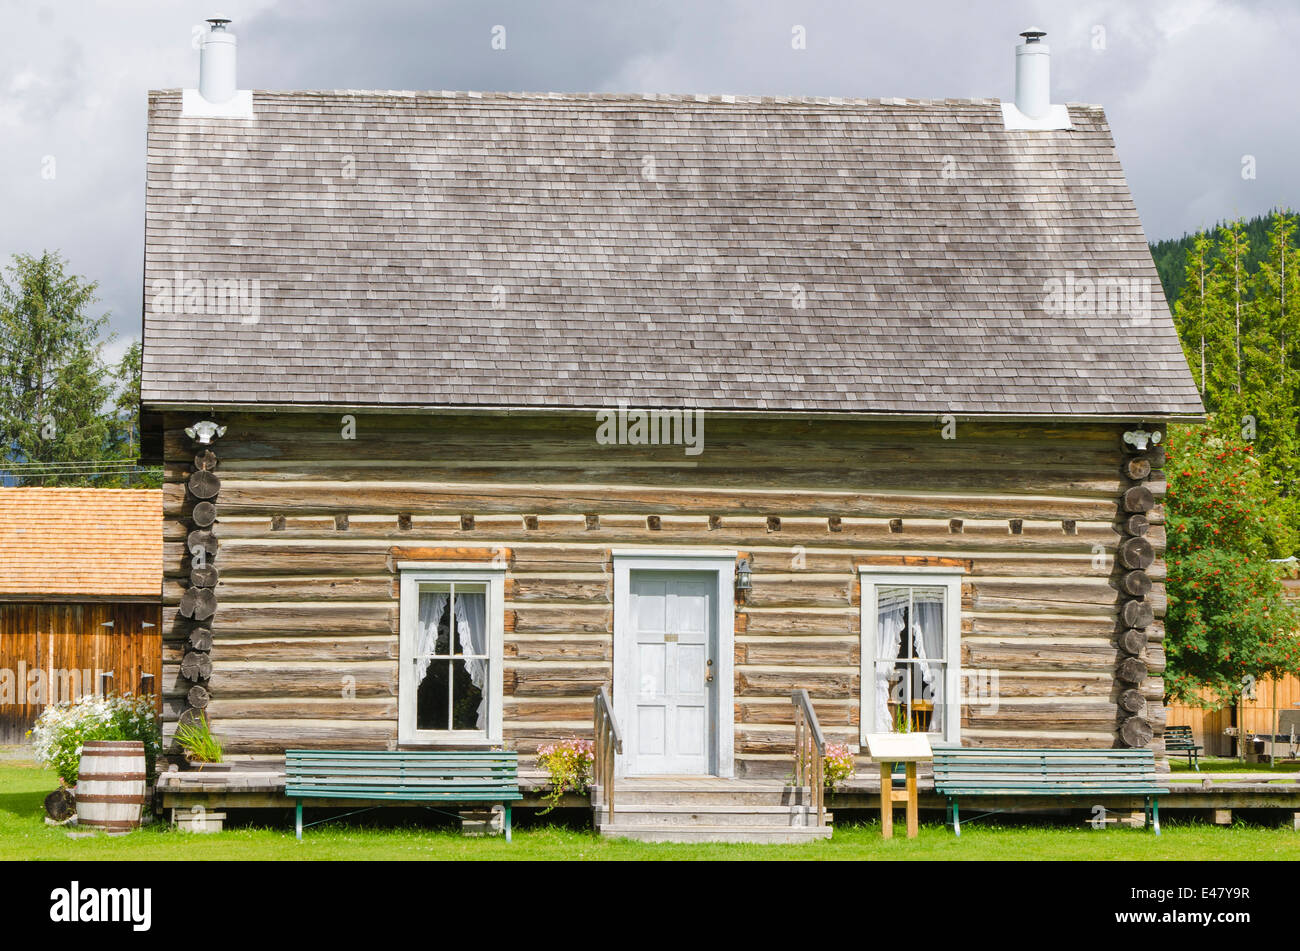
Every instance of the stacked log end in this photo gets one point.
(198, 604)
(1133, 557)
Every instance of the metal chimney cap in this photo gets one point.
(1033, 34)
(219, 24)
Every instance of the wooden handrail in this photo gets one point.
(608, 741)
(809, 752)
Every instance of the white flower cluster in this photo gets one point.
(63, 728)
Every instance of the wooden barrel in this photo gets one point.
(110, 785)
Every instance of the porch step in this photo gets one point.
(711, 833)
(635, 793)
(718, 814)
(699, 809)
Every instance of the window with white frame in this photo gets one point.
(911, 674)
(452, 631)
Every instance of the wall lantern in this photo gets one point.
(1138, 438)
(744, 575)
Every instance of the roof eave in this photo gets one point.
(470, 410)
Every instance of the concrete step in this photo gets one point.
(707, 794)
(771, 835)
(721, 814)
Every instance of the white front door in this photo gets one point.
(674, 681)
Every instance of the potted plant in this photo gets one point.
(202, 747)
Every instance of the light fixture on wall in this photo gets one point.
(1139, 438)
(744, 575)
(203, 431)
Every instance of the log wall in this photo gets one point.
(310, 524)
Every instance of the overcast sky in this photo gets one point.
(1191, 87)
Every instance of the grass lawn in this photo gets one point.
(1228, 764)
(23, 835)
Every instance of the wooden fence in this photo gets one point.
(52, 652)
(1256, 715)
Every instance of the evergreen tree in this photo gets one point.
(125, 425)
(53, 384)
(1170, 255)
(1191, 310)
(1229, 287)
(126, 408)
(1272, 370)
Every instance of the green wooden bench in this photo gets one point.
(382, 777)
(972, 772)
(1179, 739)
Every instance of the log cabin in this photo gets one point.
(80, 579)
(473, 403)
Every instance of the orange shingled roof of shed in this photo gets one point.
(80, 542)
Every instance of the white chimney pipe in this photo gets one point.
(1033, 75)
(217, 63)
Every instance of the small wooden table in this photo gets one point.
(888, 749)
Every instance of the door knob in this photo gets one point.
(708, 677)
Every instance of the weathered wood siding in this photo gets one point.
(55, 652)
(310, 523)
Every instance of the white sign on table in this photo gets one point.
(899, 747)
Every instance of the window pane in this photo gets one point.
(431, 698)
(433, 625)
(936, 699)
(891, 697)
(469, 703)
(471, 624)
(927, 623)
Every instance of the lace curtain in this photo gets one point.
(432, 604)
(471, 629)
(891, 608)
(927, 645)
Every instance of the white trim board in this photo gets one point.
(723, 566)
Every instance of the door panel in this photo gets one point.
(673, 640)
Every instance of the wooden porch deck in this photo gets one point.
(1219, 794)
(259, 784)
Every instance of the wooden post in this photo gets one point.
(820, 793)
(913, 822)
(886, 801)
(1272, 736)
(798, 748)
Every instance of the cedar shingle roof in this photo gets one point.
(502, 250)
(80, 542)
